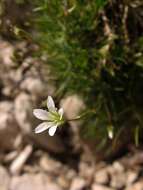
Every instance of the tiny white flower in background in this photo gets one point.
(110, 131)
(110, 135)
(52, 118)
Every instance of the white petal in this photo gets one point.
(110, 134)
(41, 114)
(51, 104)
(43, 126)
(61, 112)
(52, 130)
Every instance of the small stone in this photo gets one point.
(117, 175)
(23, 112)
(118, 181)
(136, 186)
(66, 176)
(10, 156)
(89, 168)
(131, 177)
(31, 181)
(50, 165)
(118, 166)
(9, 129)
(34, 86)
(70, 174)
(63, 182)
(100, 187)
(78, 184)
(6, 53)
(4, 179)
(18, 163)
(72, 105)
(101, 176)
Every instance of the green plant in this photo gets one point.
(94, 51)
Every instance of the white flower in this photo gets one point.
(110, 131)
(52, 118)
(110, 134)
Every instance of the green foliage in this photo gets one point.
(95, 49)
(66, 33)
(1, 8)
(15, 16)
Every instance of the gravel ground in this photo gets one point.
(29, 161)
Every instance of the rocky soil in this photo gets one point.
(40, 162)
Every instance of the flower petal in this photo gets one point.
(52, 130)
(110, 135)
(51, 104)
(41, 114)
(43, 126)
(61, 111)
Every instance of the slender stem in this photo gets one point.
(82, 115)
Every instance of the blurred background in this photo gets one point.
(87, 55)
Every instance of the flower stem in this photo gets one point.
(82, 115)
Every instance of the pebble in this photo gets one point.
(100, 187)
(30, 182)
(102, 176)
(4, 179)
(137, 186)
(78, 184)
(131, 177)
